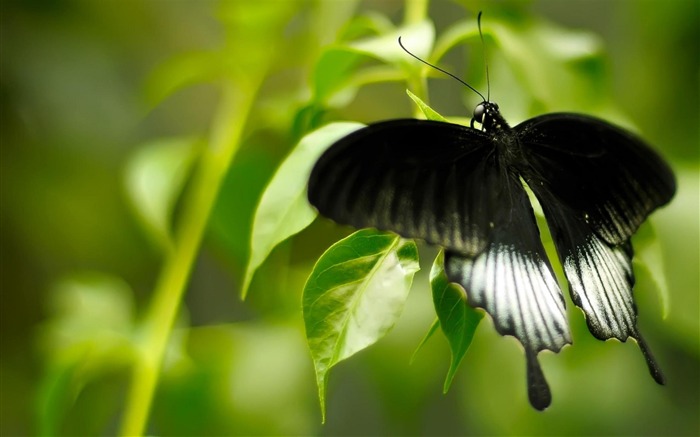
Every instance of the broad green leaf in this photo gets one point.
(181, 71)
(268, 382)
(417, 37)
(362, 26)
(283, 209)
(544, 58)
(255, 31)
(89, 332)
(331, 72)
(90, 311)
(254, 28)
(429, 112)
(453, 36)
(535, 66)
(457, 319)
(354, 295)
(155, 176)
(649, 256)
(334, 80)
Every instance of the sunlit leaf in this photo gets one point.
(88, 333)
(429, 112)
(254, 31)
(537, 66)
(649, 256)
(86, 310)
(354, 295)
(332, 71)
(454, 36)
(180, 71)
(362, 26)
(155, 176)
(268, 382)
(542, 55)
(417, 37)
(457, 319)
(283, 209)
(333, 76)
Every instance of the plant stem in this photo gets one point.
(170, 287)
(415, 11)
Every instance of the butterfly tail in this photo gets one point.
(537, 388)
(654, 368)
(600, 277)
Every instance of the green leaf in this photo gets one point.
(267, 373)
(457, 319)
(331, 71)
(428, 335)
(354, 295)
(417, 37)
(649, 257)
(89, 313)
(334, 80)
(545, 59)
(365, 25)
(453, 36)
(155, 176)
(88, 333)
(429, 112)
(181, 71)
(538, 66)
(283, 209)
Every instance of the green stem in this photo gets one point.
(414, 12)
(170, 287)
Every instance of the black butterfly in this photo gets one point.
(462, 188)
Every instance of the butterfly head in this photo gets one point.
(488, 116)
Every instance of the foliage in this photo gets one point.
(154, 168)
(354, 296)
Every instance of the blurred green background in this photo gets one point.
(94, 91)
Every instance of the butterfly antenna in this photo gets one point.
(441, 70)
(483, 51)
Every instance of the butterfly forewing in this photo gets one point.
(609, 177)
(421, 179)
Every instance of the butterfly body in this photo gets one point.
(461, 188)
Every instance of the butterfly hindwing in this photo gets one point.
(596, 184)
(513, 281)
(421, 179)
(608, 176)
(600, 277)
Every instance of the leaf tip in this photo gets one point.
(246, 284)
(321, 382)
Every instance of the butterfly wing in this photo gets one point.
(445, 184)
(600, 278)
(421, 179)
(611, 178)
(596, 184)
(513, 281)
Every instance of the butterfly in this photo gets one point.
(463, 188)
